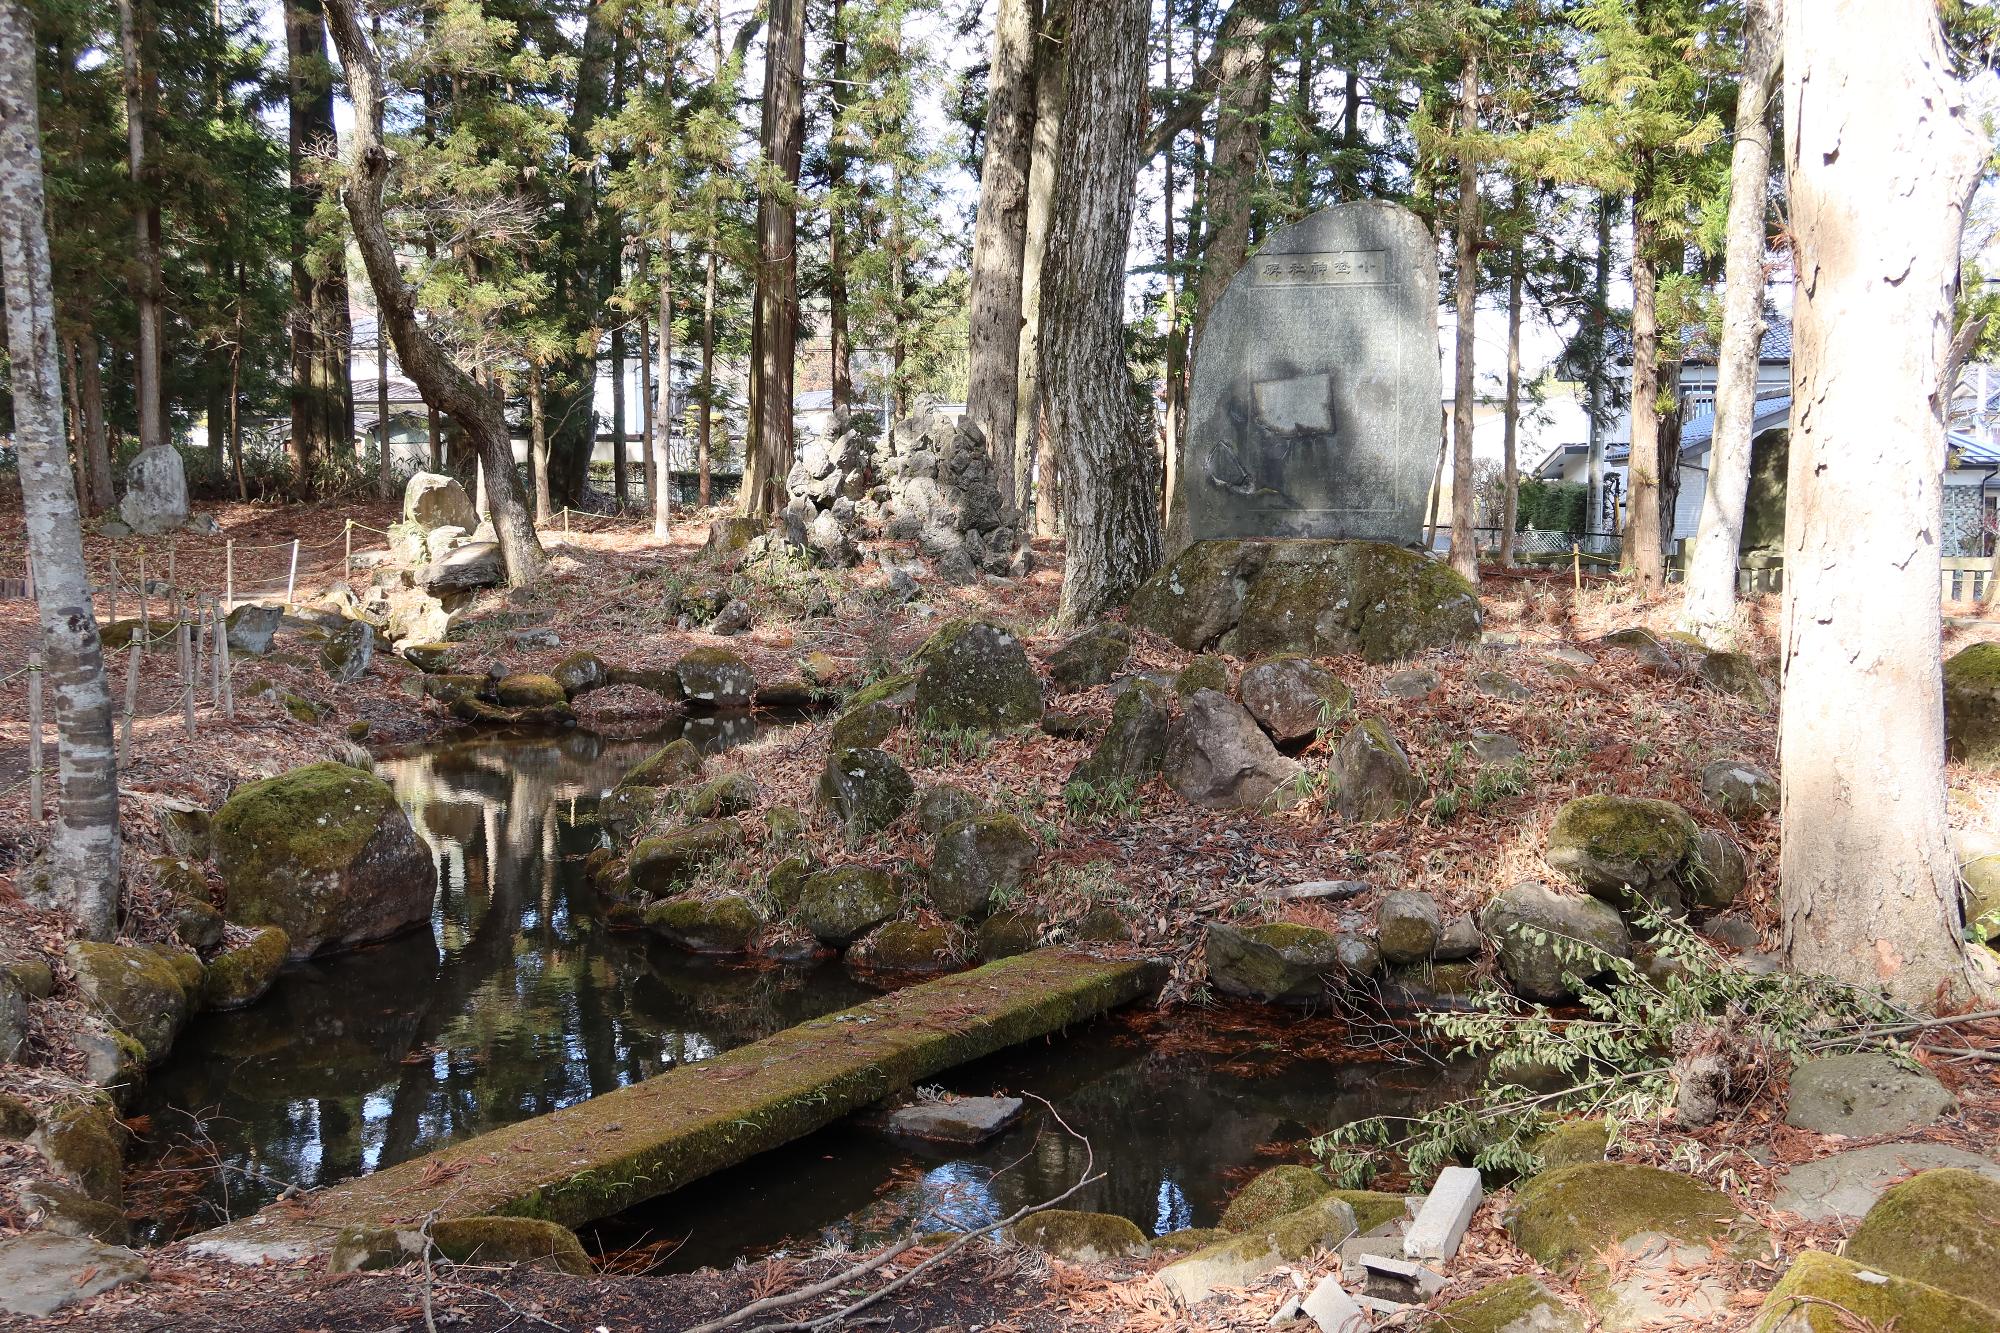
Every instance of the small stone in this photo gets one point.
(962, 1121)
(1739, 789)
(41, 1272)
(1134, 747)
(977, 859)
(841, 905)
(1500, 685)
(1083, 1238)
(239, 977)
(1458, 941)
(1491, 747)
(867, 788)
(1717, 873)
(664, 866)
(1407, 926)
(1279, 961)
(1206, 672)
(733, 618)
(1292, 698)
(1412, 684)
(715, 678)
(1864, 1094)
(1372, 775)
(252, 627)
(346, 654)
(1090, 657)
(1220, 758)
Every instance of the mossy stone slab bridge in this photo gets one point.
(597, 1157)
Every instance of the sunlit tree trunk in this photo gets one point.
(1034, 450)
(147, 295)
(321, 332)
(663, 414)
(538, 443)
(1642, 491)
(1464, 545)
(770, 454)
(1510, 471)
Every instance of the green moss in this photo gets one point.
(1975, 665)
(1372, 1208)
(185, 966)
(511, 1240)
(1188, 1239)
(1940, 1227)
(1373, 599)
(1826, 1294)
(1564, 1217)
(431, 657)
(906, 946)
(1207, 672)
(724, 925)
(867, 788)
(862, 725)
(783, 825)
(1081, 1237)
(238, 977)
(784, 881)
(1199, 597)
(1006, 934)
(1518, 1305)
(1573, 1143)
(530, 689)
(897, 689)
(1972, 705)
(137, 989)
(17, 1118)
(313, 818)
(303, 709)
(368, 1250)
(1279, 1190)
(85, 1145)
(730, 794)
(971, 673)
(665, 767)
(1276, 961)
(1627, 848)
(839, 906)
(663, 866)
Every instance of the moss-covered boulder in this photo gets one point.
(197, 921)
(866, 789)
(1736, 674)
(724, 925)
(1205, 672)
(186, 829)
(730, 794)
(83, 1143)
(1134, 747)
(1374, 1209)
(1517, 1305)
(1716, 875)
(783, 826)
(626, 810)
(346, 653)
(1940, 1227)
(863, 725)
(715, 678)
(1740, 789)
(1188, 1239)
(664, 866)
(1823, 1293)
(1408, 924)
(325, 854)
(666, 767)
(1271, 1194)
(1082, 1238)
(944, 805)
(17, 1119)
(529, 689)
(905, 947)
(1628, 850)
(1564, 1218)
(1972, 706)
(1292, 697)
(511, 1240)
(432, 657)
(839, 906)
(1247, 1256)
(1006, 934)
(238, 977)
(580, 673)
(1536, 930)
(978, 858)
(784, 880)
(971, 673)
(1092, 656)
(1278, 961)
(1373, 780)
(1218, 757)
(140, 992)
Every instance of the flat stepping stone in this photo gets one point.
(957, 1120)
(41, 1272)
(1847, 1184)
(1864, 1095)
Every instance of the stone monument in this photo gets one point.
(156, 494)
(1315, 406)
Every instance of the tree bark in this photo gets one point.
(663, 415)
(1882, 156)
(1245, 89)
(649, 457)
(322, 398)
(1034, 450)
(147, 296)
(1710, 602)
(1642, 491)
(837, 155)
(1600, 315)
(443, 384)
(619, 490)
(999, 240)
(538, 444)
(1110, 499)
(84, 855)
(770, 457)
(1510, 471)
(386, 477)
(1464, 542)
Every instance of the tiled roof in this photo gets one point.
(1697, 431)
(1700, 350)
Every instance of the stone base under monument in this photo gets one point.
(1251, 597)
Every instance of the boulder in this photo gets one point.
(715, 678)
(1219, 758)
(945, 805)
(662, 867)
(1080, 1238)
(1526, 924)
(839, 906)
(346, 653)
(1272, 1194)
(1940, 1227)
(1372, 776)
(511, 1240)
(1206, 672)
(1823, 1293)
(1493, 747)
(1134, 747)
(1457, 941)
(724, 925)
(325, 854)
(580, 673)
(668, 766)
(1416, 683)
(156, 494)
(13, 1019)
(1716, 874)
(866, 788)
(1092, 656)
(239, 977)
(1565, 1218)
(1006, 934)
(1278, 961)
(529, 689)
(1573, 1143)
(1500, 685)
(252, 626)
(412, 617)
(1972, 706)
(465, 568)
(971, 673)
(1864, 1094)
(1628, 850)
(1291, 697)
(432, 500)
(41, 1272)
(1245, 1257)
(1847, 1184)
(1357, 955)
(730, 794)
(904, 947)
(1408, 926)
(734, 618)
(977, 859)
(1517, 1305)
(65, 1212)
(1739, 789)
(134, 987)
(1734, 673)
(830, 543)
(730, 534)
(1324, 598)
(83, 1144)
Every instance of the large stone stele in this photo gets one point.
(156, 493)
(1323, 598)
(432, 500)
(325, 854)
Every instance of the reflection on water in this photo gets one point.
(514, 1003)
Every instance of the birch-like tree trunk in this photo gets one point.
(1464, 542)
(1034, 451)
(777, 315)
(442, 383)
(83, 870)
(1510, 469)
(538, 443)
(1710, 602)
(1642, 469)
(1110, 483)
(146, 293)
(1882, 154)
(999, 239)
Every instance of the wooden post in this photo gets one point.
(222, 670)
(229, 576)
(171, 588)
(201, 652)
(30, 572)
(131, 706)
(35, 737)
(292, 575)
(565, 523)
(217, 632)
(1576, 566)
(183, 642)
(145, 602)
(347, 559)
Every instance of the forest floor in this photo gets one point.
(1164, 864)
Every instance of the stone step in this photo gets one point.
(601, 1156)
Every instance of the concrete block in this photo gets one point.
(1352, 1252)
(1440, 1224)
(1399, 1280)
(1334, 1310)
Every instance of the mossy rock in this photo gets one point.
(1823, 1293)
(1134, 747)
(67, 1212)
(1373, 1208)
(197, 921)
(784, 880)
(1940, 1227)
(1188, 1239)
(1091, 656)
(1373, 780)
(84, 1144)
(1517, 1305)
(971, 673)
(1199, 596)
(238, 977)
(452, 688)
(186, 967)
(1292, 697)
(511, 1240)
(867, 789)
(715, 678)
(1244, 1257)
(1084, 1238)
(432, 657)
(626, 810)
(1276, 961)
(119, 634)
(1408, 924)
(1716, 874)
(529, 689)
(1206, 672)
(666, 767)
(1735, 674)
(580, 673)
(666, 683)
(944, 805)
(841, 905)
(32, 976)
(1972, 706)
(897, 691)
(372, 1249)
(186, 830)
(137, 989)
(730, 794)
(861, 725)
(1563, 1218)
(905, 946)
(1101, 925)
(17, 1119)
(1280, 1190)
(663, 866)
(724, 925)
(325, 854)
(1628, 850)
(783, 825)
(1006, 934)
(1740, 789)
(1573, 1143)
(978, 858)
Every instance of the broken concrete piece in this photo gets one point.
(1446, 1213)
(1399, 1280)
(1334, 1310)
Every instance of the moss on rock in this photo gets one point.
(529, 689)
(867, 789)
(1373, 1208)
(905, 946)
(1280, 1190)
(136, 988)
(238, 977)
(971, 673)
(1005, 934)
(663, 866)
(1940, 1227)
(715, 678)
(1564, 1217)
(1372, 776)
(1092, 656)
(724, 925)
(666, 767)
(979, 858)
(861, 725)
(1278, 961)
(511, 1240)
(84, 1143)
(730, 794)
(1370, 599)
(1573, 1143)
(841, 905)
(1517, 1305)
(1823, 1293)
(945, 805)
(1188, 1239)
(1206, 672)
(1084, 1238)
(1972, 706)
(1625, 849)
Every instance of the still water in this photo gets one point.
(518, 1001)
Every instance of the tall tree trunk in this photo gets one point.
(663, 415)
(1110, 506)
(1882, 155)
(1600, 316)
(322, 398)
(777, 258)
(1510, 471)
(96, 434)
(1034, 449)
(1710, 603)
(476, 410)
(619, 490)
(649, 456)
(83, 865)
(1244, 90)
(1464, 542)
(582, 277)
(1176, 356)
(386, 478)
(999, 239)
(1350, 135)
(148, 295)
(538, 443)
(840, 372)
(1642, 490)
(705, 418)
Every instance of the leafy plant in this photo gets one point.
(1114, 797)
(940, 744)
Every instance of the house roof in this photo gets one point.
(1966, 450)
(1696, 432)
(1698, 349)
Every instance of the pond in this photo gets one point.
(519, 1001)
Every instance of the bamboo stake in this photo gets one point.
(222, 669)
(186, 652)
(131, 705)
(347, 558)
(292, 575)
(170, 568)
(201, 654)
(216, 634)
(1576, 566)
(35, 737)
(229, 575)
